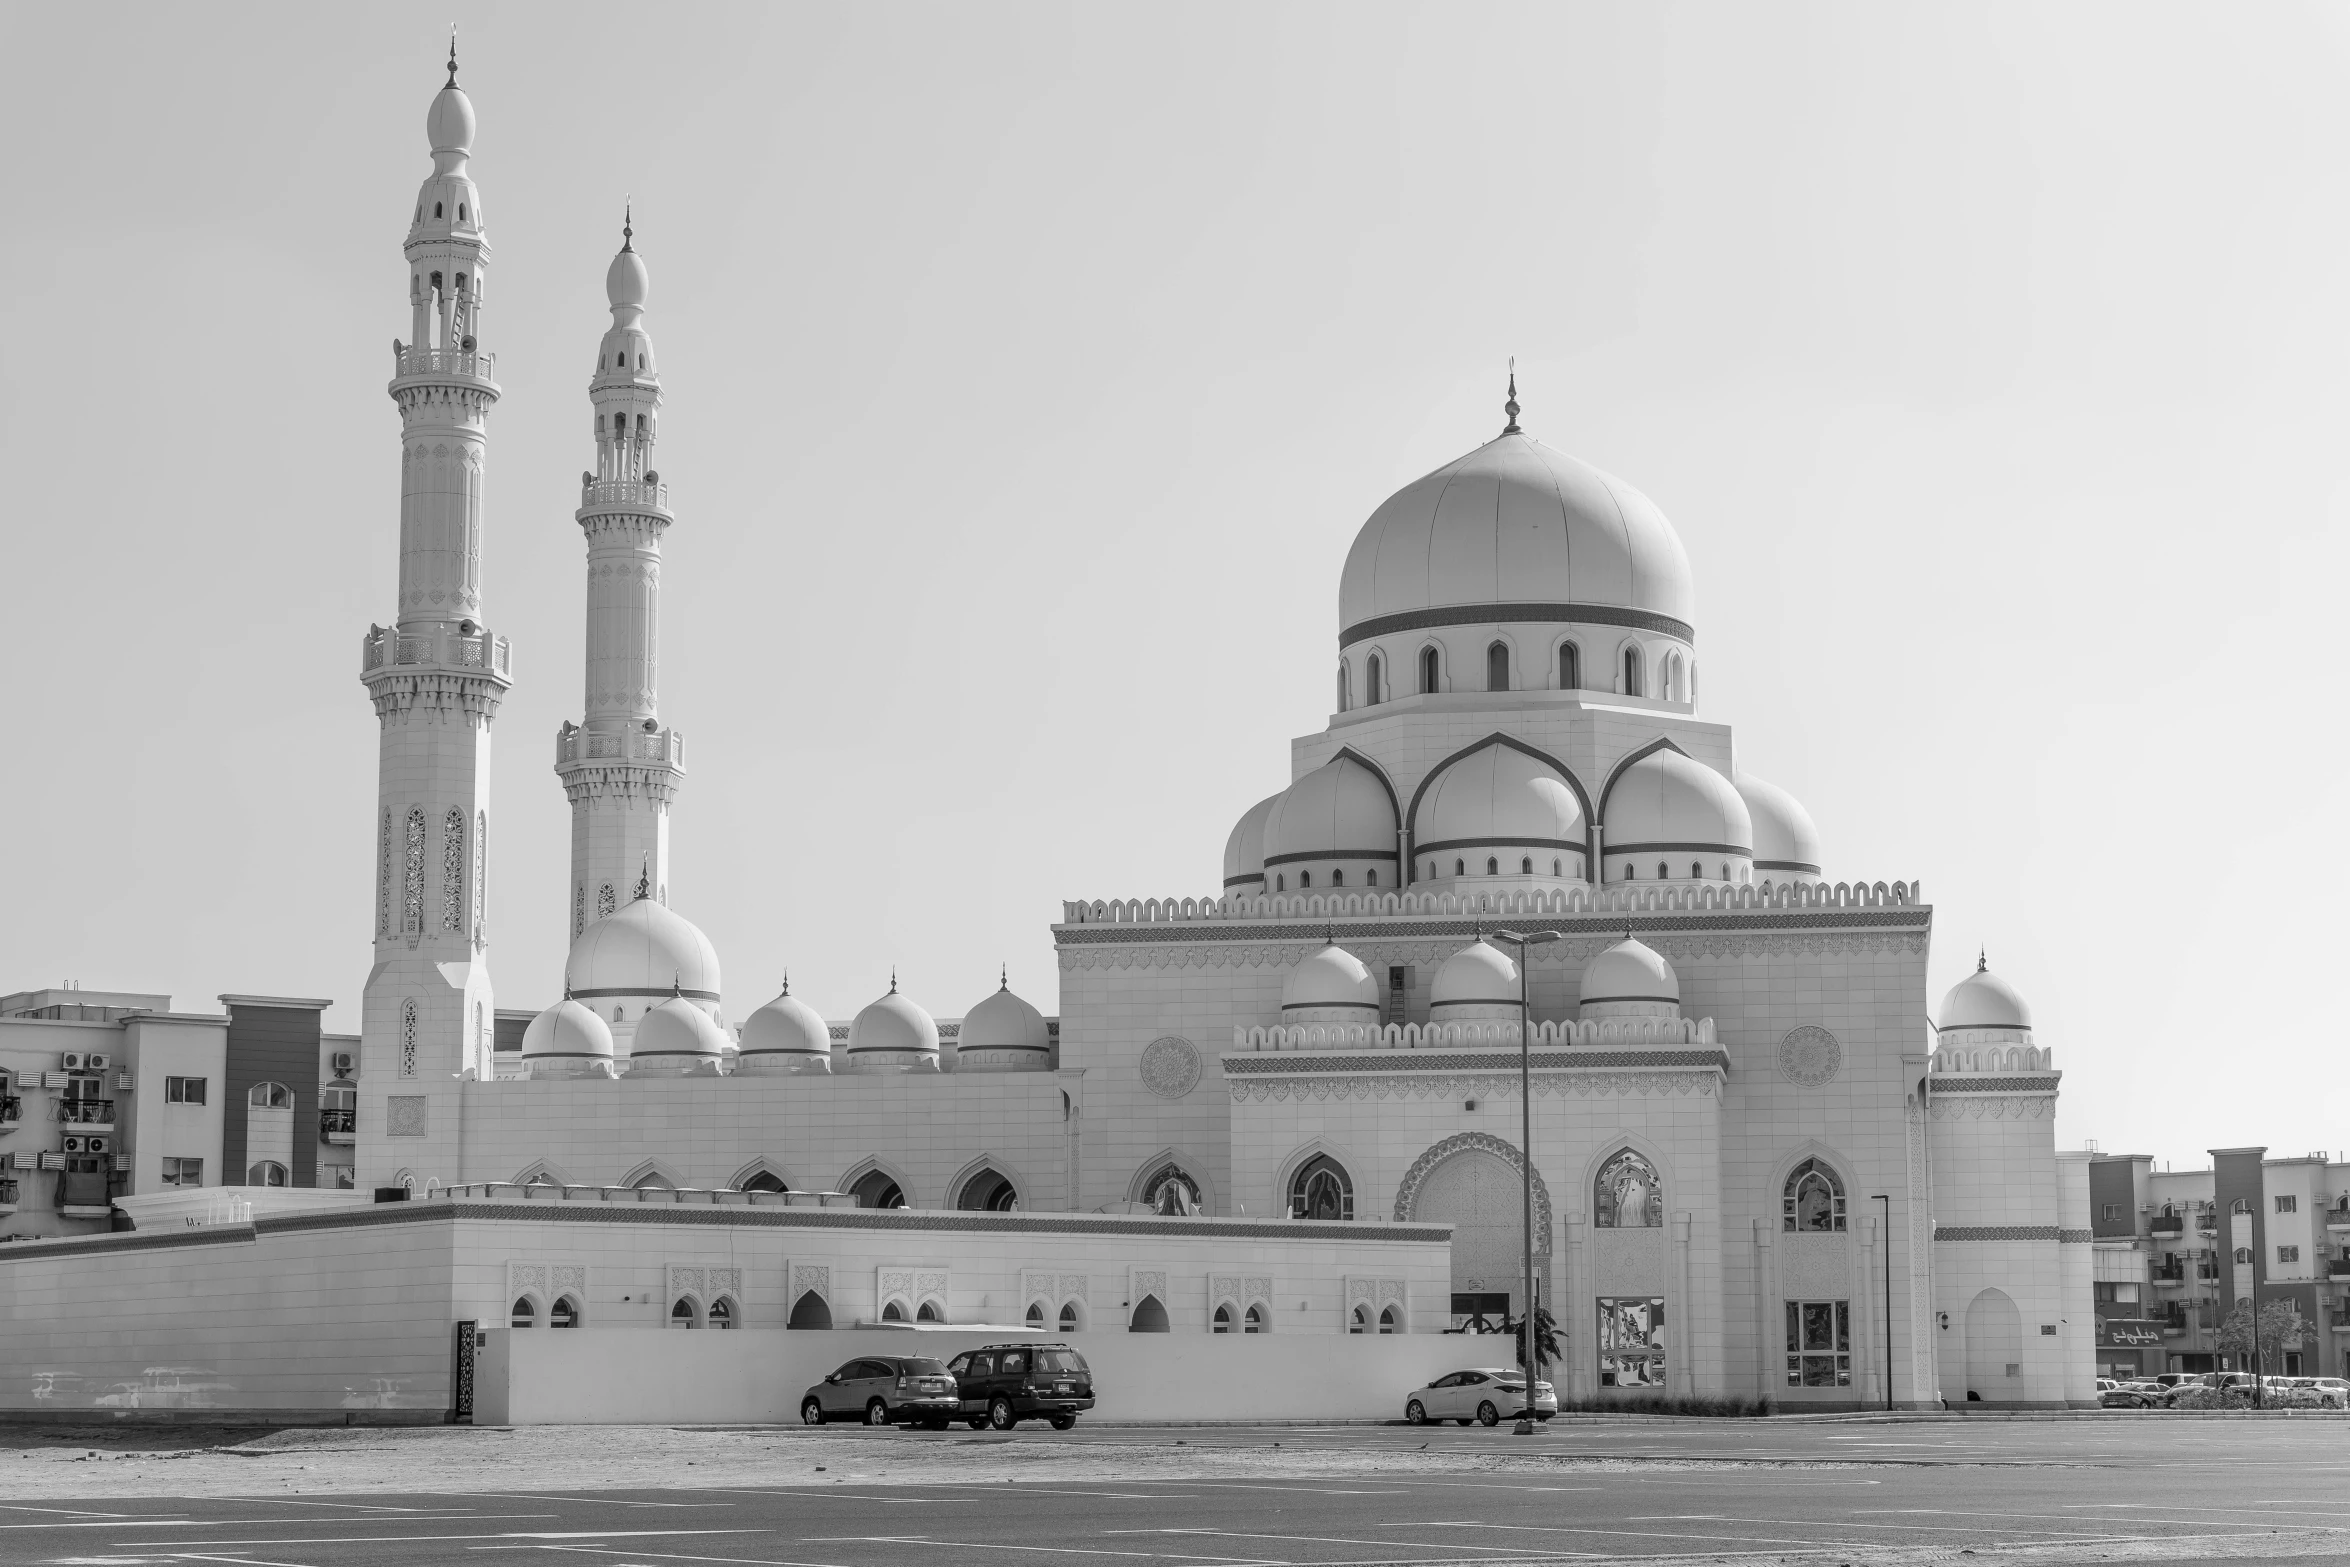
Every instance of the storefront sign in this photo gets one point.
(2125, 1331)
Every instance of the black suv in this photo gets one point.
(1004, 1384)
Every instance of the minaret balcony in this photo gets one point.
(444, 364)
(623, 494)
(661, 747)
(484, 651)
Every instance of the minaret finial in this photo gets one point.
(1511, 407)
(452, 54)
(627, 223)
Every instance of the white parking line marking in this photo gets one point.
(281, 1501)
(77, 1512)
(125, 1521)
(402, 1539)
(239, 1561)
(1503, 1551)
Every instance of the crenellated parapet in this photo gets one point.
(1620, 1032)
(1614, 898)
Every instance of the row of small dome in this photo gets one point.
(1480, 984)
(1504, 810)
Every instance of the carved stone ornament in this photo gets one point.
(405, 1116)
(1810, 1056)
(1170, 1066)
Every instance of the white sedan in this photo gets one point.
(1486, 1394)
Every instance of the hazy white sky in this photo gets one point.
(1030, 369)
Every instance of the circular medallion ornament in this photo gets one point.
(1809, 1056)
(1170, 1066)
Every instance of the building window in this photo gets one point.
(1497, 667)
(1555, 866)
(1389, 1322)
(1254, 1322)
(1338, 878)
(1342, 685)
(1280, 883)
(1492, 866)
(681, 1314)
(564, 1313)
(270, 1096)
(1696, 871)
(2241, 1205)
(722, 1313)
(765, 1181)
(2244, 1255)
(1819, 1343)
(1631, 671)
(1359, 1320)
(1036, 1314)
(1373, 681)
(1171, 1193)
(1371, 877)
(1570, 667)
(1627, 1195)
(1223, 1320)
(1069, 1320)
(1460, 867)
(2289, 1204)
(1526, 866)
(810, 1312)
(1321, 1189)
(927, 1312)
(183, 1172)
(1813, 1200)
(266, 1172)
(2110, 1212)
(1428, 671)
(524, 1314)
(183, 1090)
(1305, 879)
(874, 1189)
(988, 1191)
(1631, 1342)
(2288, 1254)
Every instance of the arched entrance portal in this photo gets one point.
(1472, 1182)
(1994, 1349)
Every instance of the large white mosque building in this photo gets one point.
(1289, 1103)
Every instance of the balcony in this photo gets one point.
(7, 1196)
(2338, 1220)
(2207, 1223)
(453, 650)
(11, 1113)
(472, 364)
(2174, 1278)
(2338, 1268)
(663, 747)
(623, 495)
(2169, 1226)
(338, 1126)
(2339, 1322)
(97, 1113)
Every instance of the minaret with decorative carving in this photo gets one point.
(620, 768)
(436, 677)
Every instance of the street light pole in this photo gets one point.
(1527, 1356)
(1885, 1239)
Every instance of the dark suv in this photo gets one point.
(882, 1389)
(1005, 1384)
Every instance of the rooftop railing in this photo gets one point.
(383, 646)
(471, 363)
(665, 746)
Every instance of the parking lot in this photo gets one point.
(2121, 1489)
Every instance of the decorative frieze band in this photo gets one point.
(1996, 1085)
(1995, 1107)
(1208, 947)
(1419, 1085)
(1295, 1064)
(2001, 1232)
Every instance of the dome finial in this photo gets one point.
(1004, 978)
(1982, 960)
(1511, 407)
(893, 979)
(787, 982)
(627, 223)
(452, 54)
(644, 879)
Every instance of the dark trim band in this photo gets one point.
(1518, 613)
(1995, 1232)
(1242, 881)
(1330, 1006)
(1680, 848)
(1330, 854)
(1601, 1001)
(1777, 865)
(1567, 844)
(690, 995)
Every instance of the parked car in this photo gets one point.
(884, 1389)
(1486, 1394)
(1004, 1384)
(2226, 1381)
(2334, 1390)
(2132, 1395)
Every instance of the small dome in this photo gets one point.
(448, 124)
(1785, 841)
(1476, 984)
(1514, 525)
(567, 1040)
(1501, 797)
(1330, 986)
(626, 282)
(1339, 811)
(643, 950)
(1003, 1034)
(892, 1032)
(785, 1035)
(1672, 809)
(1244, 851)
(1984, 1000)
(676, 1037)
(1630, 979)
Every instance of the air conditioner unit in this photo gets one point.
(94, 1145)
(95, 1062)
(73, 1060)
(344, 1062)
(74, 1144)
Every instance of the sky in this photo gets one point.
(1030, 369)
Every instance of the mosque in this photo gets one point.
(1761, 1166)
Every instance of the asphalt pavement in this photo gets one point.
(1727, 1491)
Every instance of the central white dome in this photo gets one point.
(643, 951)
(1514, 525)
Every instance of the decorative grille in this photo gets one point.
(412, 893)
(453, 871)
(481, 865)
(383, 880)
(407, 1039)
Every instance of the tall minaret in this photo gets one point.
(621, 768)
(436, 678)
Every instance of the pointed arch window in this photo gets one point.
(564, 1313)
(1321, 1189)
(1526, 865)
(681, 1314)
(524, 1314)
(1627, 1195)
(722, 1313)
(1632, 671)
(1342, 685)
(1170, 1192)
(1492, 865)
(765, 1181)
(1254, 1322)
(1150, 1316)
(1359, 1320)
(1813, 1199)
(412, 867)
(606, 902)
(453, 871)
(1429, 670)
(1374, 677)
(1497, 667)
(1035, 1317)
(1222, 1322)
(1338, 878)
(810, 1312)
(1570, 667)
(1390, 1321)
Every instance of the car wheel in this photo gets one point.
(1415, 1414)
(1063, 1422)
(877, 1413)
(1487, 1415)
(999, 1414)
(811, 1413)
